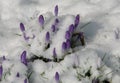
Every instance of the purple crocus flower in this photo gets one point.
(67, 35)
(77, 19)
(54, 53)
(56, 21)
(56, 10)
(18, 75)
(64, 46)
(1, 72)
(68, 43)
(71, 28)
(23, 58)
(47, 36)
(25, 81)
(41, 20)
(22, 28)
(95, 80)
(4, 58)
(57, 78)
(53, 28)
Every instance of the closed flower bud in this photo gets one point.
(67, 35)
(77, 19)
(47, 36)
(56, 10)
(57, 78)
(22, 28)
(41, 20)
(23, 58)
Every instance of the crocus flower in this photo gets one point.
(54, 53)
(56, 10)
(71, 28)
(67, 35)
(68, 43)
(4, 58)
(1, 72)
(53, 28)
(56, 21)
(64, 46)
(57, 78)
(47, 36)
(18, 75)
(22, 28)
(25, 81)
(41, 20)
(95, 80)
(77, 19)
(23, 58)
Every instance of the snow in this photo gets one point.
(99, 21)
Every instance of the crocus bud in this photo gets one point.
(41, 20)
(54, 53)
(64, 46)
(67, 35)
(68, 43)
(4, 58)
(18, 75)
(22, 28)
(71, 28)
(23, 58)
(47, 36)
(56, 10)
(25, 81)
(57, 78)
(56, 21)
(53, 28)
(1, 72)
(77, 19)
(95, 80)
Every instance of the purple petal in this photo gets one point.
(18, 75)
(53, 28)
(67, 35)
(54, 53)
(25, 81)
(68, 43)
(41, 20)
(1, 72)
(56, 10)
(23, 58)
(64, 46)
(47, 36)
(57, 78)
(71, 28)
(77, 19)
(22, 28)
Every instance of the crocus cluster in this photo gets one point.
(68, 34)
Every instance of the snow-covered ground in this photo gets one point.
(50, 57)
